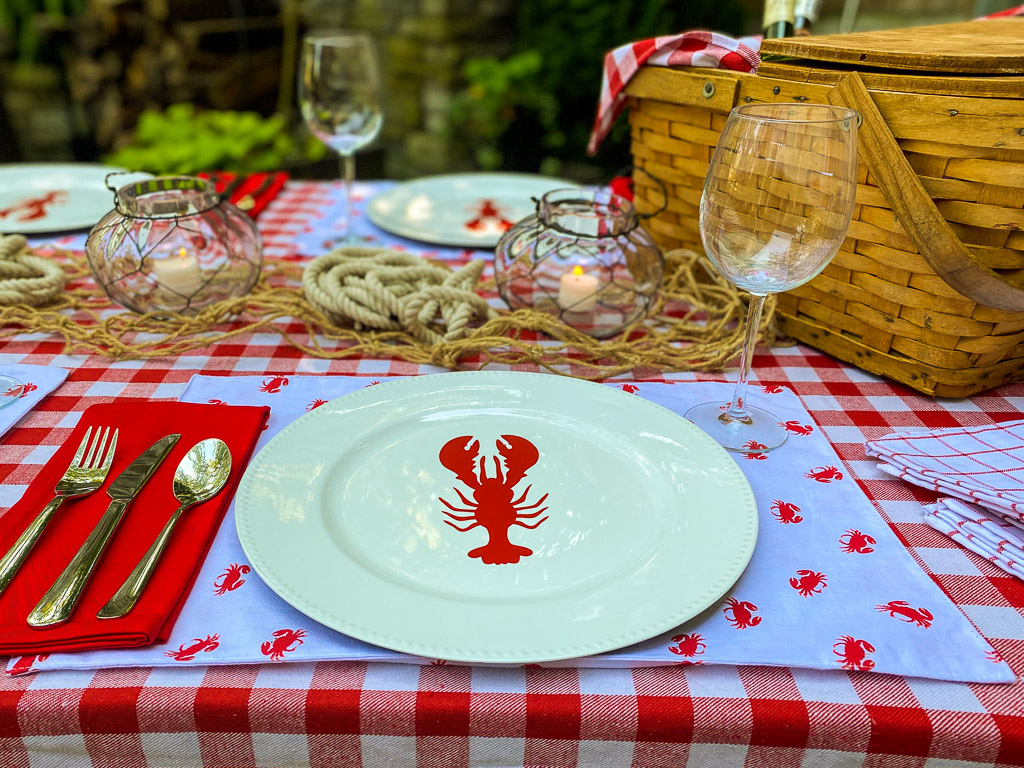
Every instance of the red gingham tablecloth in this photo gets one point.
(347, 714)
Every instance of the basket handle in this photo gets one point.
(915, 209)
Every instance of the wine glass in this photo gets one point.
(339, 93)
(776, 204)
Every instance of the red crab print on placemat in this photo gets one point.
(772, 389)
(33, 208)
(901, 609)
(231, 579)
(786, 512)
(853, 654)
(317, 402)
(796, 428)
(274, 384)
(688, 645)
(855, 541)
(630, 388)
(808, 583)
(742, 613)
(493, 505)
(824, 474)
(189, 652)
(753, 445)
(285, 641)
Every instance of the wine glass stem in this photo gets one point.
(738, 408)
(348, 174)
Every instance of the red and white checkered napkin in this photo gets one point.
(980, 531)
(984, 465)
(690, 49)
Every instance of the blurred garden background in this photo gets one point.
(182, 86)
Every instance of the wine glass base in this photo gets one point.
(10, 390)
(762, 434)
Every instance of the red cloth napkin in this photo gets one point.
(251, 193)
(141, 425)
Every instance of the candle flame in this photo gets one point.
(183, 254)
(577, 270)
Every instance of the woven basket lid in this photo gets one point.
(990, 47)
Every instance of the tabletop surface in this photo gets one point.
(378, 714)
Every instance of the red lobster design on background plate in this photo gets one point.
(920, 616)
(33, 208)
(492, 505)
(488, 217)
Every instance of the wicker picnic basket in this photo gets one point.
(928, 288)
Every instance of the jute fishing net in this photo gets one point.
(696, 324)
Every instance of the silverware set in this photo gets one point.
(200, 476)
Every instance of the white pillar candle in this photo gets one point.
(179, 272)
(577, 292)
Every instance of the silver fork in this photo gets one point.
(85, 474)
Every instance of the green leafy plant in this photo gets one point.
(184, 140)
(534, 110)
(498, 92)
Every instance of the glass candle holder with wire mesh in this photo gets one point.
(173, 245)
(584, 258)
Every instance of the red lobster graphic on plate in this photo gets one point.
(492, 505)
(34, 208)
(488, 217)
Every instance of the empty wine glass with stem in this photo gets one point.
(340, 98)
(776, 205)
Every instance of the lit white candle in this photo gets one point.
(179, 273)
(577, 292)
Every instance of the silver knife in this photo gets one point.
(59, 601)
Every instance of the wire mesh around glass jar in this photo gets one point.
(173, 245)
(582, 257)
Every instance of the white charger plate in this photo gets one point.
(472, 210)
(55, 197)
(648, 521)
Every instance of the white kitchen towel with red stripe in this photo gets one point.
(983, 465)
(690, 49)
(977, 529)
(811, 596)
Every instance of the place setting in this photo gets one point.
(489, 454)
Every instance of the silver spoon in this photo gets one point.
(200, 476)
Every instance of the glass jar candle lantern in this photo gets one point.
(173, 245)
(582, 257)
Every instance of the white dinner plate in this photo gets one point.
(472, 210)
(54, 197)
(630, 519)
